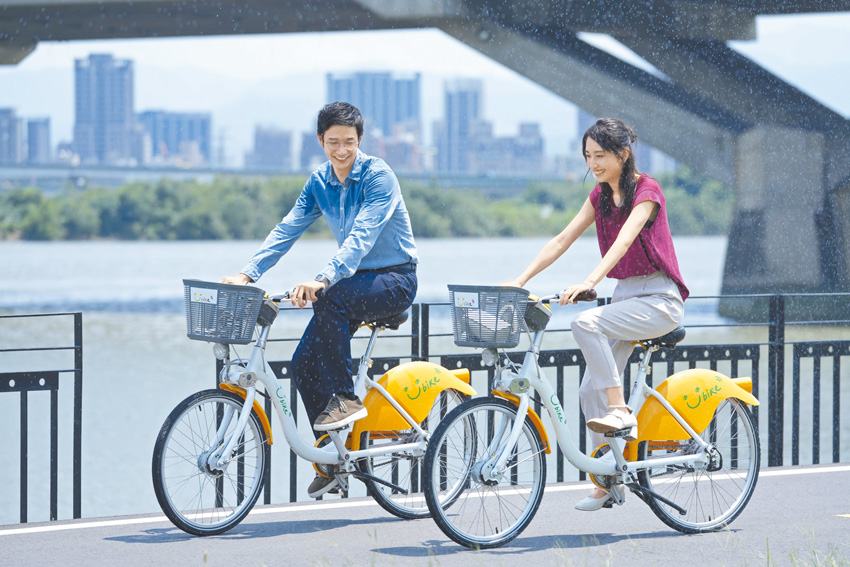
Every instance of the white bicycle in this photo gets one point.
(211, 453)
(695, 462)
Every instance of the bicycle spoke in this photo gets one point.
(490, 509)
(197, 498)
(714, 495)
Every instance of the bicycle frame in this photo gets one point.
(258, 369)
(641, 392)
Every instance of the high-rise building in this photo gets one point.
(178, 135)
(452, 134)
(648, 158)
(312, 154)
(529, 149)
(38, 140)
(11, 137)
(103, 109)
(385, 100)
(272, 150)
(508, 155)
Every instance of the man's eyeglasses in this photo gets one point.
(334, 145)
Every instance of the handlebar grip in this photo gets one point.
(287, 294)
(589, 295)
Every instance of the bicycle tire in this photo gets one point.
(198, 500)
(404, 470)
(712, 497)
(469, 506)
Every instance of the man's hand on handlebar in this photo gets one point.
(307, 291)
(238, 279)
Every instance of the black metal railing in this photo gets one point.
(818, 351)
(809, 359)
(27, 382)
(812, 405)
(745, 358)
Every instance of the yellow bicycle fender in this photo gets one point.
(535, 419)
(695, 394)
(264, 420)
(415, 386)
(745, 383)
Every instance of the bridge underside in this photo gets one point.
(708, 106)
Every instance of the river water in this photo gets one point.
(138, 363)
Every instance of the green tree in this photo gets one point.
(80, 217)
(42, 221)
(236, 207)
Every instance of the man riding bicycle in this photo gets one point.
(371, 276)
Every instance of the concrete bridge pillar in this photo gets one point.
(786, 236)
(774, 239)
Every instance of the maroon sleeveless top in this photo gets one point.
(652, 250)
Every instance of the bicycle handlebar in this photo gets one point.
(589, 295)
(286, 295)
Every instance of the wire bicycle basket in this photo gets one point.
(221, 313)
(487, 316)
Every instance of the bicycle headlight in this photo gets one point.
(221, 351)
(489, 356)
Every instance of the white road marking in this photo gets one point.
(291, 508)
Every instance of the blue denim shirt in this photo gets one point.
(367, 216)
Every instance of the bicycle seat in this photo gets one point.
(669, 340)
(392, 322)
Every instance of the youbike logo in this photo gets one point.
(464, 300)
(557, 407)
(282, 399)
(421, 386)
(694, 400)
(201, 295)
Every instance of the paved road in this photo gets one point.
(797, 516)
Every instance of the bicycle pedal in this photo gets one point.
(618, 433)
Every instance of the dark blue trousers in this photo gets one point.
(321, 364)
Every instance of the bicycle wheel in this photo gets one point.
(402, 471)
(715, 495)
(197, 499)
(473, 506)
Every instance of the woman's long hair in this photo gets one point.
(613, 135)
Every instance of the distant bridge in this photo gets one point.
(713, 109)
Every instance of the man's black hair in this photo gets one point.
(339, 114)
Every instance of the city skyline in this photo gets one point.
(238, 78)
(108, 129)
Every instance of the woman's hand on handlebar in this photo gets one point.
(576, 293)
(511, 283)
(307, 291)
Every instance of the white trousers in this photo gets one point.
(642, 307)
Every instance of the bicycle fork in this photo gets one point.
(489, 470)
(221, 455)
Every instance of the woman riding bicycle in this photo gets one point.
(637, 250)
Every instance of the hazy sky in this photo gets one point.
(279, 79)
